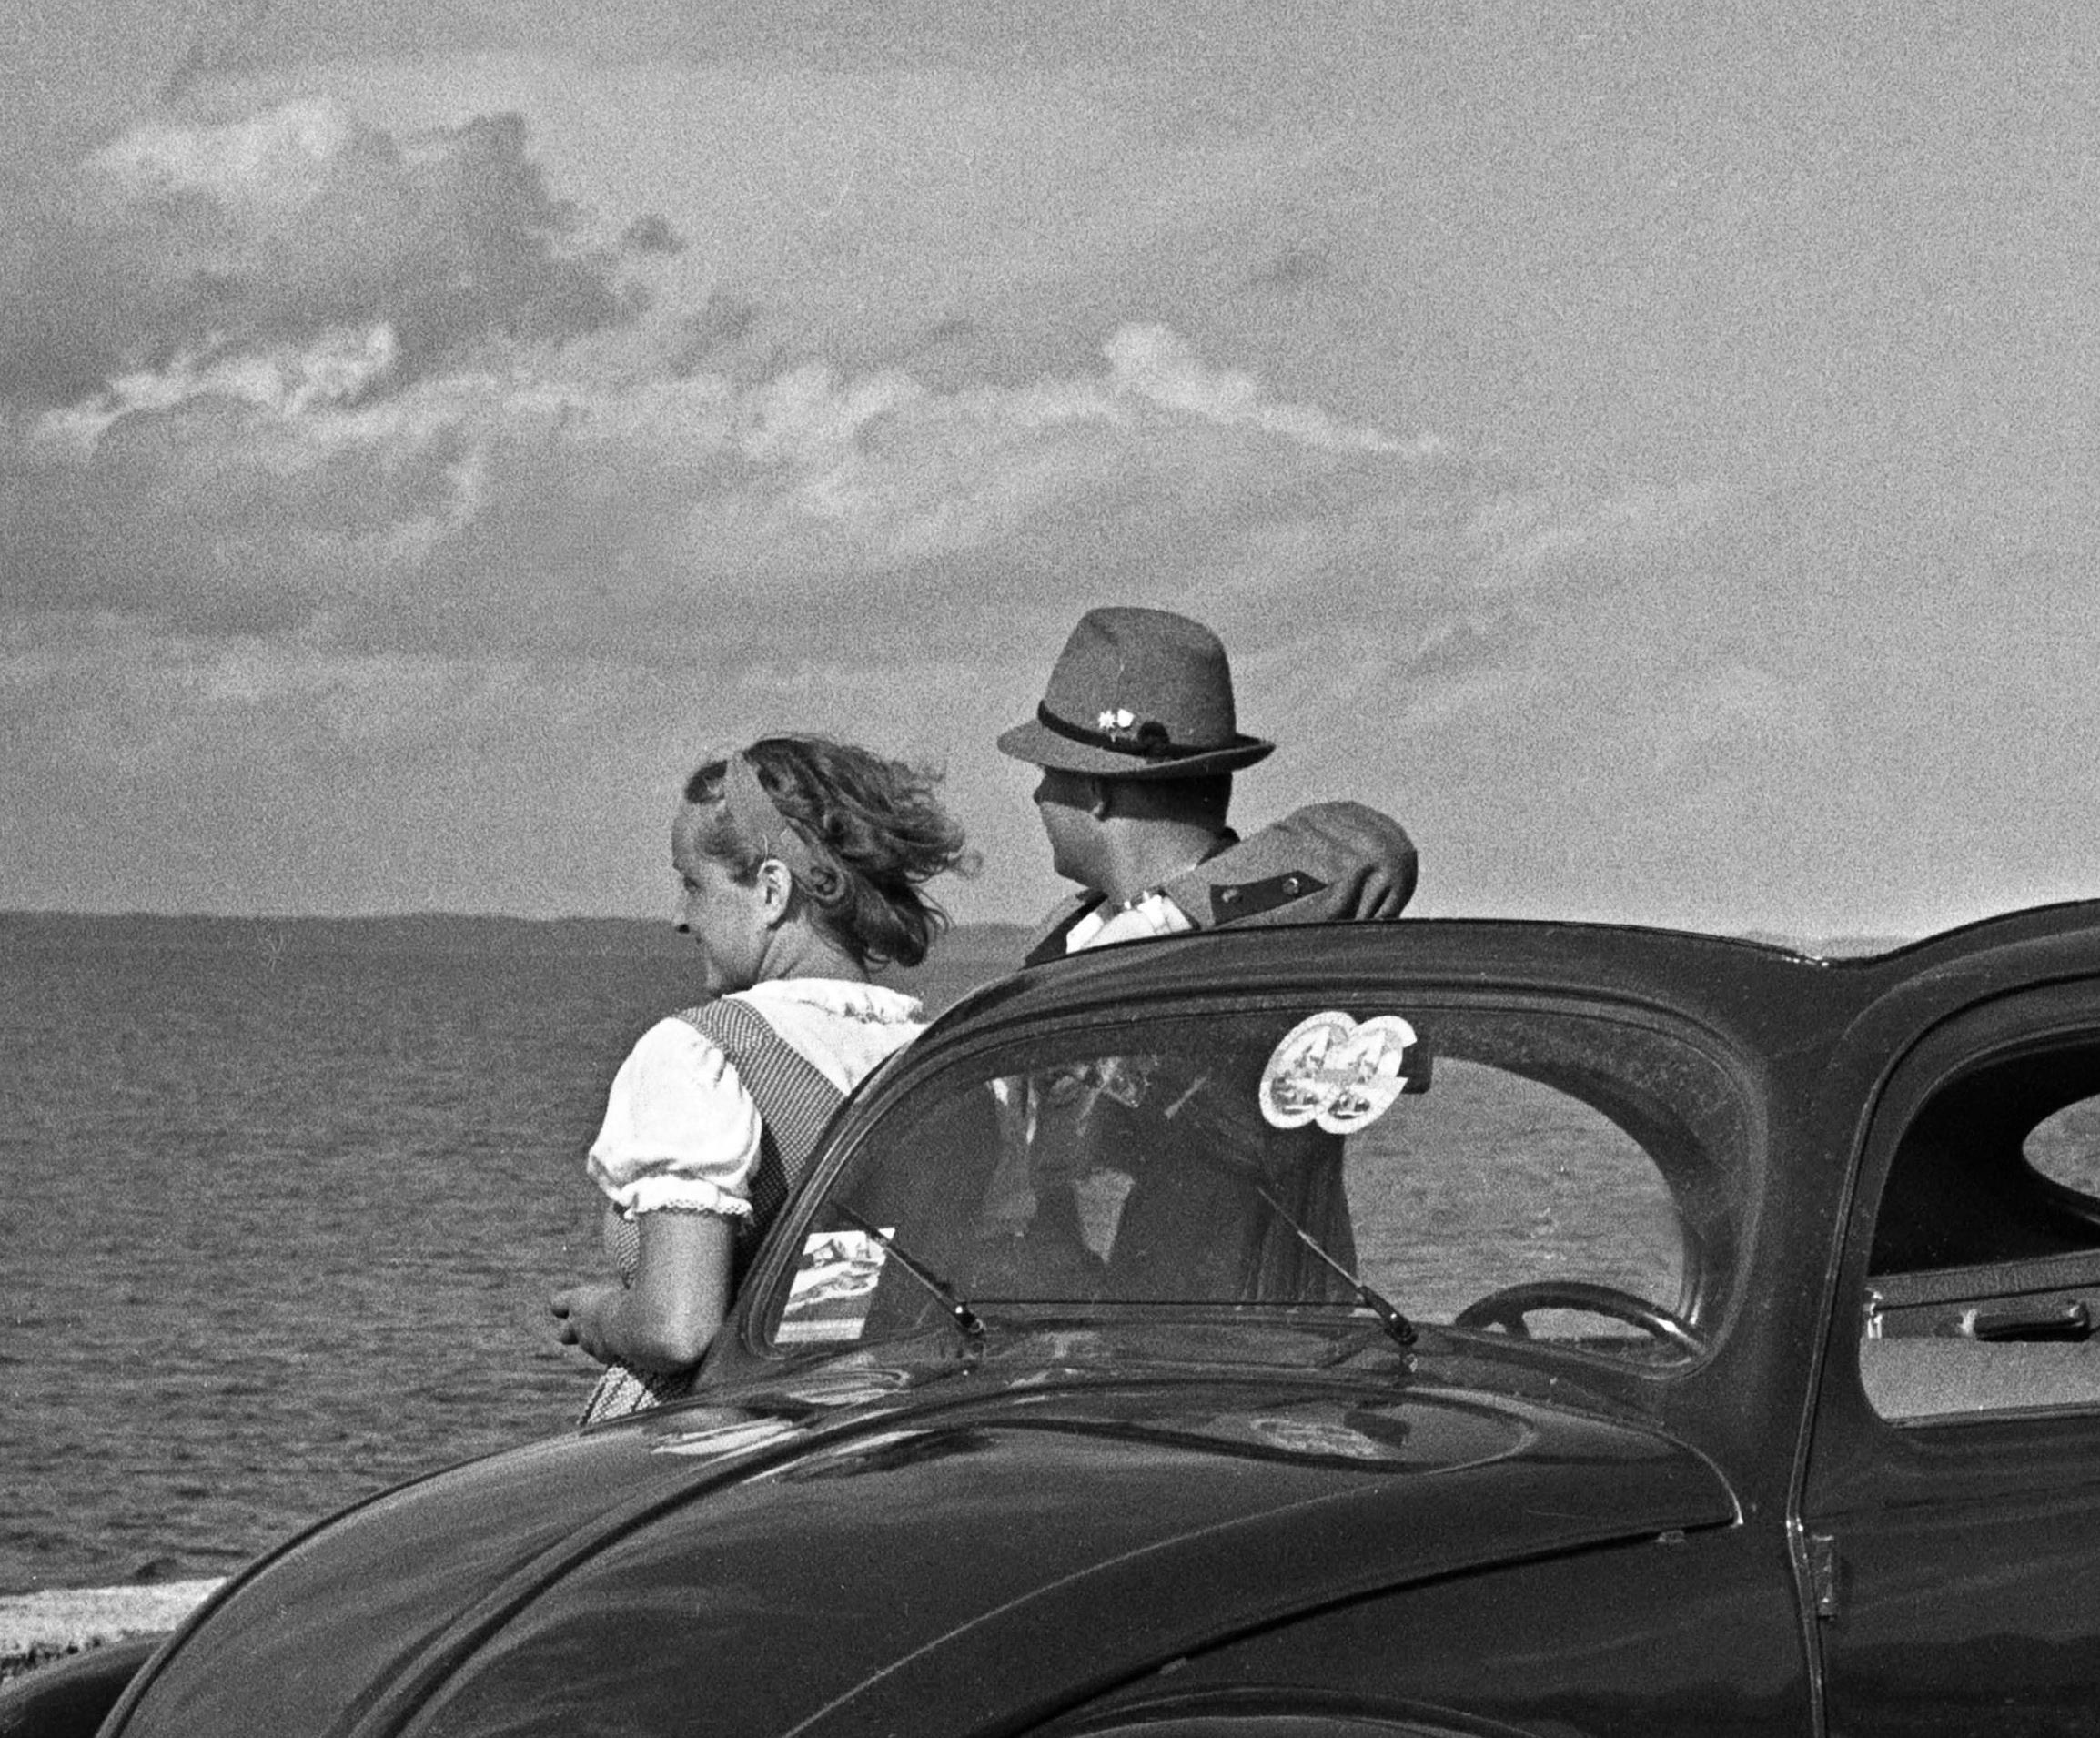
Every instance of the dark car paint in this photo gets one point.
(1821, 1038)
(1965, 1557)
(1656, 1638)
(918, 1536)
(1504, 1587)
(68, 1698)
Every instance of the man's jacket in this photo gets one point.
(1328, 863)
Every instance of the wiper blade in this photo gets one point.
(1396, 1325)
(965, 1318)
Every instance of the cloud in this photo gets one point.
(340, 367)
(216, 44)
(1528, 530)
(201, 243)
(374, 458)
(77, 690)
(651, 234)
(1151, 364)
(1293, 269)
(566, 506)
(1730, 709)
(187, 773)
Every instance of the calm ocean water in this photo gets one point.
(278, 1216)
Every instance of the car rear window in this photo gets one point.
(1273, 1158)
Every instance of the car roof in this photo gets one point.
(1731, 981)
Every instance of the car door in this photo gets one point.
(1950, 1519)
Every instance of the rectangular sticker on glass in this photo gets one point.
(833, 1289)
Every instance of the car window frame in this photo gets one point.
(1853, 1447)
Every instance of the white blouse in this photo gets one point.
(1150, 915)
(681, 1131)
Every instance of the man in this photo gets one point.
(1139, 741)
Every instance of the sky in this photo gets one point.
(1650, 450)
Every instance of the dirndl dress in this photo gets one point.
(796, 1104)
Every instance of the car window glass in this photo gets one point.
(2065, 1147)
(1551, 1187)
(1487, 1162)
(1983, 1280)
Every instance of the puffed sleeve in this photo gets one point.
(680, 1133)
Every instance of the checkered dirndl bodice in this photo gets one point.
(795, 1102)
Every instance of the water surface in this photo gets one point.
(279, 1207)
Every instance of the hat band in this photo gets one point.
(1147, 740)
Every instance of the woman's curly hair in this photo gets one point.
(876, 835)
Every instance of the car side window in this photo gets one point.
(1984, 1282)
(2065, 1147)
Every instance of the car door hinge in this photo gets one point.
(1822, 1573)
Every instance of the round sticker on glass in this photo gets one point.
(1331, 1071)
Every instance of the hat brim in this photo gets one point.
(1042, 746)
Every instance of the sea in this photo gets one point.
(281, 1202)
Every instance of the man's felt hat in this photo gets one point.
(1137, 694)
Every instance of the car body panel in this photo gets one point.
(1962, 1550)
(873, 1530)
(1653, 1638)
(68, 1698)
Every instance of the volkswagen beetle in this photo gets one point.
(1453, 1328)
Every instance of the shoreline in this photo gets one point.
(37, 1629)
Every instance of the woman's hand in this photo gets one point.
(666, 1320)
(582, 1314)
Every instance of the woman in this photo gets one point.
(800, 863)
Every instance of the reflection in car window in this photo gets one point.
(1983, 1283)
(1443, 1156)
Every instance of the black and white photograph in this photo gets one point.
(957, 869)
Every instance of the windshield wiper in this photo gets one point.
(965, 1318)
(1398, 1326)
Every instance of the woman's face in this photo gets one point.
(728, 920)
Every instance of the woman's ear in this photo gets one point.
(776, 892)
(1100, 799)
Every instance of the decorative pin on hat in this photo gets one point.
(1137, 693)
